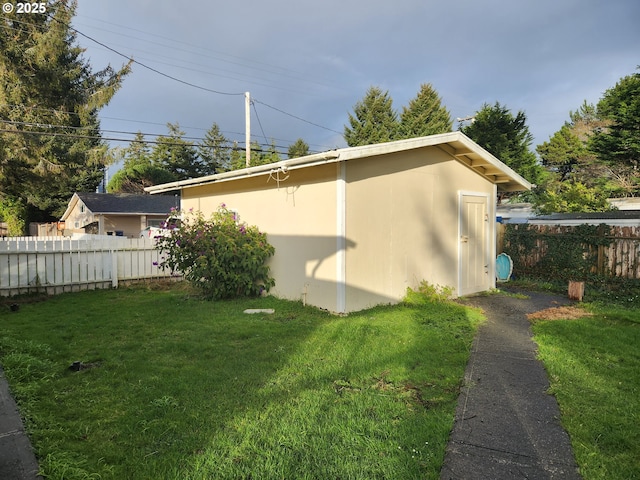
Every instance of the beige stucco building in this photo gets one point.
(355, 227)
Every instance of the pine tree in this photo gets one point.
(373, 120)
(176, 155)
(425, 115)
(298, 149)
(507, 137)
(138, 170)
(619, 143)
(563, 154)
(50, 146)
(215, 152)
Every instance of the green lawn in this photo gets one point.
(180, 388)
(594, 369)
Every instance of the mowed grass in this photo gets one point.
(594, 369)
(180, 388)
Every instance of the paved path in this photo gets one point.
(507, 426)
(17, 461)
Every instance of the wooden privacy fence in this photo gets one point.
(607, 251)
(59, 264)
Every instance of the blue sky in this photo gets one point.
(314, 60)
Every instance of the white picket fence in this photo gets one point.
(58, 264)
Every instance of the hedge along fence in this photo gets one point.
(574, 252)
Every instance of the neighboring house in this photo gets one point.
(116, 214)
(631, 203)
(524, 213)
(514, 212)
(355, 227)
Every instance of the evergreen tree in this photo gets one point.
(258, 156)
(569, 185)
(215, 152)
(272, 155)
(373, 120)
(585, 122)
(507, 137)
(563, 154)
(618, 144)
(49, 92)
(138, 170)
(237, 158)
(176, 155)
(298, 149)
(425, 115)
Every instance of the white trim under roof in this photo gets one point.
(456, 144)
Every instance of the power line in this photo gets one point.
(229, 72)
(272, 69)
(126, 132)
(132, 60)
(155, 70)
(164, 141)
(193, 85)
(259, 122)
(296, 117)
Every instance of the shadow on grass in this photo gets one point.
(372, 395)
(193, 389)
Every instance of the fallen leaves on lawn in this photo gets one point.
(559, 313)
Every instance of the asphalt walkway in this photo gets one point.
(507, 426)
(17, 460)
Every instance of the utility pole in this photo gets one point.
(247, 127)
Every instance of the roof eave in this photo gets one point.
(455, 144)
(72, 203)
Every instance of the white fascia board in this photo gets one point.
(452, 139)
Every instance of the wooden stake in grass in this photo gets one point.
(576, 290)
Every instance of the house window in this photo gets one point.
(81, 208)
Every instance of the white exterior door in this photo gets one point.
(474, 258)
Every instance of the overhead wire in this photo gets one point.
(171, 77)
(131, 59)
(160, 140)
(274, 69)
(296, 117)
(253, 104)
(55, 111)
(203, 88)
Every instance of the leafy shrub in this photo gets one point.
(428, 293)
(221, 256)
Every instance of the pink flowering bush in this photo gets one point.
(221, 256)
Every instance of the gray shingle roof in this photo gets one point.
(610, 215)
(129, 203)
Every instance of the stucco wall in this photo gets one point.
(401, 224)
(129, 225)
(402, 213)
(299, 217)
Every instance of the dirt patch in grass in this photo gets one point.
(559, 313)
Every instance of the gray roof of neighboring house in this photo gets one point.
(126, 203)
(613, 217)
(610, 215)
